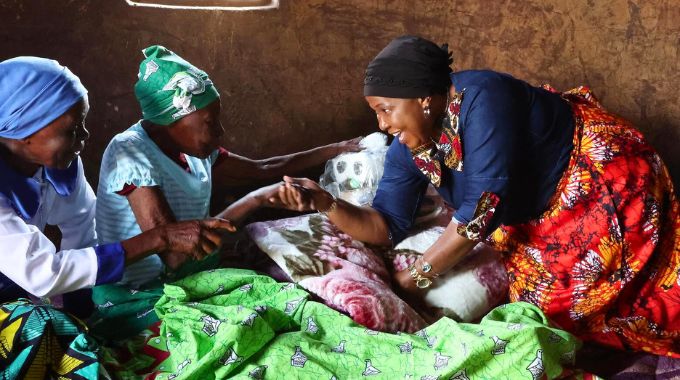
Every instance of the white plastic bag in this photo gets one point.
(354, 176)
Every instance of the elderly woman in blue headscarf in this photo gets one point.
(43, 106)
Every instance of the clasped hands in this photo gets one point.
(298, 194)
(302, 194)
(192, 239)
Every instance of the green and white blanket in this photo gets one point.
(230, 323)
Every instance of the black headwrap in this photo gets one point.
(409, 67)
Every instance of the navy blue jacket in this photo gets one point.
(517, 140)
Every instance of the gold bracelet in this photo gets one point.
(421, 281)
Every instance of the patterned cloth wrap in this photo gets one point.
(604, 260)
(232, 323)
(39, 342)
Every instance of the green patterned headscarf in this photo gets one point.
(170, 88)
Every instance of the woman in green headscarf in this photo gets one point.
(164, 167)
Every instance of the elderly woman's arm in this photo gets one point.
(153, 212)
(235, 170)
(361, 223)
(31, 261)
(168, 237)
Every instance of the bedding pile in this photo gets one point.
(356, 279)
(232, 323)
(346, 274)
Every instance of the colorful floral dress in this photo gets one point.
(603, 260)
(581, 205)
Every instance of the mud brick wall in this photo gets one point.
(291, 78)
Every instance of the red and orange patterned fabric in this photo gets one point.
(603, 260)
(427, 157)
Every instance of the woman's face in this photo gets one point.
(404, 119)
(198, 134)
(58, 144)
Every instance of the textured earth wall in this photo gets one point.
(291, 78)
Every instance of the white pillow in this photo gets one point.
(467, 292)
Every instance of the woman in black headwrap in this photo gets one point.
(581, 205)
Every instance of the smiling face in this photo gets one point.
(198, 134)
(58, 144)
(405, 119)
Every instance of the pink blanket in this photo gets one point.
(356, 279)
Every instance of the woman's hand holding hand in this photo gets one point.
(301, 194)
(268, 195)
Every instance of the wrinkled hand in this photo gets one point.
(194, 238)
(301, 194)
(173, 260)
(268, 195)
(349, 145)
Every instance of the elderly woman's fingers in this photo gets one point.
(282, 196)
(352, 145)
(304, 182)
(207, 247)
(212, 236)
(294, 195)
(286, 196)
(300, 196)
(297, 181)
(219, 224)
(305, 192)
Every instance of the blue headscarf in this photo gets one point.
(33, 93)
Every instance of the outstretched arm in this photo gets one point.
(237, 170)
(361, 223)
(32, 261)
(262, 197)
(152, 210)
